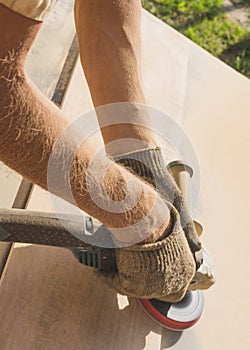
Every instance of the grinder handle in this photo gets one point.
(181, 174)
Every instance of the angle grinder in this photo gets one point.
(18, 225)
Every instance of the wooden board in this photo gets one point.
(59, 304)
(9, 181)
(51, 47)
(49, 301)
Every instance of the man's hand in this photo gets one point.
(148, 164)
(161, 270)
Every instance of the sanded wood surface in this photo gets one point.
(49, 301)
(59, 304)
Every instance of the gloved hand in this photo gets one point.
(161, 270)
(149, 165)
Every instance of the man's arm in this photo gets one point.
(109, 34)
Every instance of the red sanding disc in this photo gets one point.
(177, 316)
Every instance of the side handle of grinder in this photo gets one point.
(205, 275)
(182, 174)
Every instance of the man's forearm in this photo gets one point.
(109, 34)
(109, 38)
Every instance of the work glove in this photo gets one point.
(161, 270)
(149, 165)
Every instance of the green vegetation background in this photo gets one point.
(206, 23)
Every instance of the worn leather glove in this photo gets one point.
(161, 270)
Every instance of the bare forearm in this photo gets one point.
(110, 33)
(109, 36)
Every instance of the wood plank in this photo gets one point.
(164, 67)
(59, 304)
(217, 121)
(50, 54)
(9, 183)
